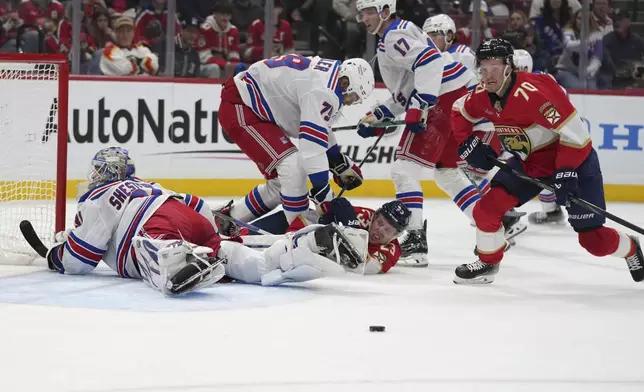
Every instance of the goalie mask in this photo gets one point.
(109, 165)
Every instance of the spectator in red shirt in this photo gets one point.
(218, 45)
(464, 34)
(9, 23)
(282, 38)
(37, 12)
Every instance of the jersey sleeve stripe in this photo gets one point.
(453, 71)
(425, 57)
(333, 79)
(83, 251)
(126, 242)
(314, 133)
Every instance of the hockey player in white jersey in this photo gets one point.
(423, 83)
(142, 231)
(442, 30)
(291, 97)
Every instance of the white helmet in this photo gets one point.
(379, 5)
(360, 74)
(440, 24)
(522, 60)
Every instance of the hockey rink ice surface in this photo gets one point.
(555, 319)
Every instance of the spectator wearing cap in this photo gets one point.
(123, 57)
(623, 64)
(218, 43)
(152, 20)
(282, 38)
(186, 58)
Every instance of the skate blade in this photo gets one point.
(419, 261)
(515, 230)
(487, 279)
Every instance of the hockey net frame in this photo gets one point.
(60, 61)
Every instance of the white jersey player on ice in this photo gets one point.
(424, 83)
(287, 97)
(143, 231)
(442, 30)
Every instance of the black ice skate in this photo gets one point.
(226, 227)
(477, 272)
(540, 217)
(414, 248)
(636, 261)
(513, 225)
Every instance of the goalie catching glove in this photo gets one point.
(346, 245)
(345, 172)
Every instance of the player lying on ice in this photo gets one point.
(384, 225)
(536, 123)
(143, 231)
(291, 97)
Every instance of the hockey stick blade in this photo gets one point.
(240, 223)
(32, 238)
(383, 124)
(580, 202)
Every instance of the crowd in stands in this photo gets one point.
(128, 37)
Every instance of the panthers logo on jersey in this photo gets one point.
(514, 140)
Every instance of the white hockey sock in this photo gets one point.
(258, 202)
(405, 175)
(459, 188)
(294, 191)
(548, 201)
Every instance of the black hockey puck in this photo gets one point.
(376, 328)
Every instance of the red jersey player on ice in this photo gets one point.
(384, 225)
(536, 122)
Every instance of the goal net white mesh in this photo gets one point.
(29, 104)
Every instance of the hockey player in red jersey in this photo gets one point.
(384, 225)
(536, 122)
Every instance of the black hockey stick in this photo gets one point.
(240, 223)
(383, 124)
(344, 188)
(32, 238)
(580, 202)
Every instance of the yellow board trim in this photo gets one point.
(370, 188)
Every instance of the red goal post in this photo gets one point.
(33, 149)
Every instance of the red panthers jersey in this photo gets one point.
(217, 45)
(387, 255)
(535, 121)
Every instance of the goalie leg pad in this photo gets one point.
(161, 260)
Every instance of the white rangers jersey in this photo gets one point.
(299, 94)
(464, 55)
(107, 219)
(412, 66)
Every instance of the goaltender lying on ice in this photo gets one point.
(144, 231)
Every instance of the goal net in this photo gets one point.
(33, 150)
